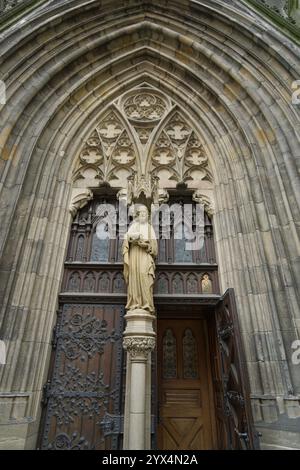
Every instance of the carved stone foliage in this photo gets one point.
(179, 154)
(8, 5)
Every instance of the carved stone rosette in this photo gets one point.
(139, 346)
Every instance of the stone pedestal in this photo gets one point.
(139, 341)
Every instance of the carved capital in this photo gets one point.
(80, 197)
(139, 346)
(205, 201)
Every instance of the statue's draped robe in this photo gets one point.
(139, 268)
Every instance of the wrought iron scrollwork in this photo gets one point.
(85, 334)
(8, 5)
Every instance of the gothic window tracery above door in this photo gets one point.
(144, 135)
(144, 131)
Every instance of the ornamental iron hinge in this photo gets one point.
(54, 336)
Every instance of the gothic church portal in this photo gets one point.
(186, 103)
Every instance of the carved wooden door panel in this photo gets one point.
(185, 397)
(237, 415)
(83, 397)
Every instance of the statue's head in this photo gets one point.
(141, 213)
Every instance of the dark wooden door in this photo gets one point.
(83, 396)
(233, 404)
(184, 388)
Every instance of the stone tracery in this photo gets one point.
(151, 135)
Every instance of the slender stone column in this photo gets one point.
(139, 341)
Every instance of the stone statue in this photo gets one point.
(206, 284)
(139, 251)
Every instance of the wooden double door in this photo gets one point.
(202, 383)
(186, 403)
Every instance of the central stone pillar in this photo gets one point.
(139, 251)
(139, 342)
